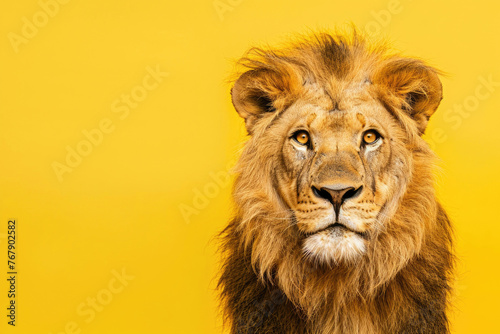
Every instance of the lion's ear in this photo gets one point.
(415, 85)
(259, 92)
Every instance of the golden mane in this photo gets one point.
(401, 284)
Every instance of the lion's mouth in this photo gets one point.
(337, 227)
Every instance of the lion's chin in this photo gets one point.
(333, 246)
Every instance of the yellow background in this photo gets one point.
(120, 208)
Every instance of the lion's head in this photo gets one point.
(334, 186)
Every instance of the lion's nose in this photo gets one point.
(337, 194)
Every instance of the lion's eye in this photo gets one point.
(370, 136)
(302, 137)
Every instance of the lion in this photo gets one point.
(337, 228)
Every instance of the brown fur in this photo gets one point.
(398, 281)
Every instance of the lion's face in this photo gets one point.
(331, 153)
(336, 170)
